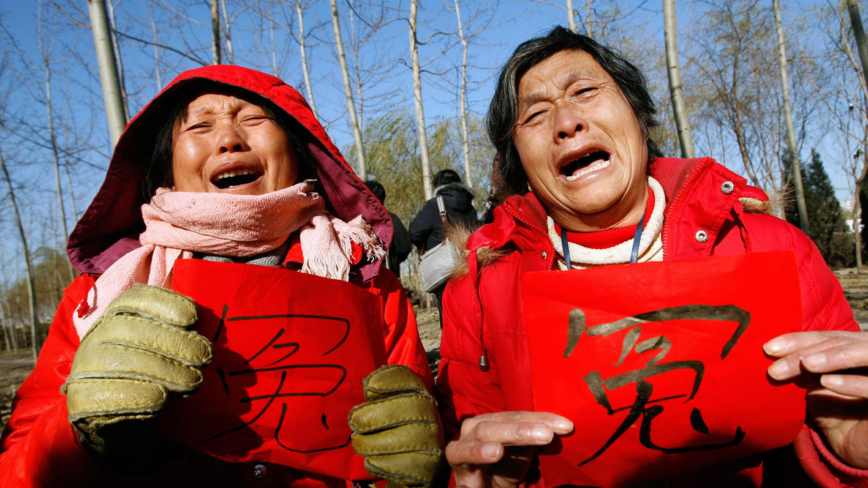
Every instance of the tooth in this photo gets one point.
(589, 169)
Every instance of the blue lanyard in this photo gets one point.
(634, 255)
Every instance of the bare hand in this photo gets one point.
(496, 449)
(838, 402)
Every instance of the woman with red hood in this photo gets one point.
(225, 165)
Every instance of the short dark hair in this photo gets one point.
(159, 172)
(503, 111)
(446, 176)
(377, 189)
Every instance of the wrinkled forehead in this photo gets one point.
(559, 70)
(210, 97)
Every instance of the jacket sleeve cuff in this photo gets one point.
(823, 466)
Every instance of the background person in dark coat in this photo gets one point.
(401, 247)
(426, 229)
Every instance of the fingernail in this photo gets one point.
(814, 361)
(775, 346)
(491, 450)
(563, 425)
(542, 433)
(831, 380)
(779, 369)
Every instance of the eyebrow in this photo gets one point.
(565, 79)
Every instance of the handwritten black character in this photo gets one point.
(283, 392)
(642, 405)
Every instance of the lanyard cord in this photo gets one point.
(634, 255)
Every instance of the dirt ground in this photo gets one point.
(856, 290)
(15, 367)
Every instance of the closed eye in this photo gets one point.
(199, 126)
(533, 116)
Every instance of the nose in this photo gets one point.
(230, 139)
(568, 122)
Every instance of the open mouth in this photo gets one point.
(234, 178)
(594, 161)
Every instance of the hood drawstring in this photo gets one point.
(473, 270)
(745, 236)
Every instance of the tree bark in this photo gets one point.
(571, 16)
(420, 111)
(7, 314)
(156, 51)
(71, 193)
(304, 69)
(465, 142)
(108, 70)
(676, 93)
(588, 18)
(228, 25)
(52, 137)
(28, 269)
(54, 152)
(859, 33)
(360, 102)
(215, 32)
(791, 131)
(348, 91)
(120, 59)
(6, 336)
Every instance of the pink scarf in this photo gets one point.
(180, 223)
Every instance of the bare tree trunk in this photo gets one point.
(52, 137)
(71, 193)
(348, 91)
(108, 70)
(7, 314)
(58, 186)
(465, 143)
(156, 51)
(31, 287)
(676, 93)
(588, 18)
(215, 32)
(6, 336)
(120, 59)
(304, 70)
(228, 25)
(857, 219)
(571, 16)
(360, 102)
(859, 33)
(420, 110)
(791, 131)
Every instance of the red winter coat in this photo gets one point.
(39, 447)
(695, 202)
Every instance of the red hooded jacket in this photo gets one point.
(39, 447)
(696, 201)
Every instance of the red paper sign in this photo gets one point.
(660, 365)
(290, 352)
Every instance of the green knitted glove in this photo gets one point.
(135, 353)
(398, 430)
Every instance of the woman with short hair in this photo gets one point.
(570, 120)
